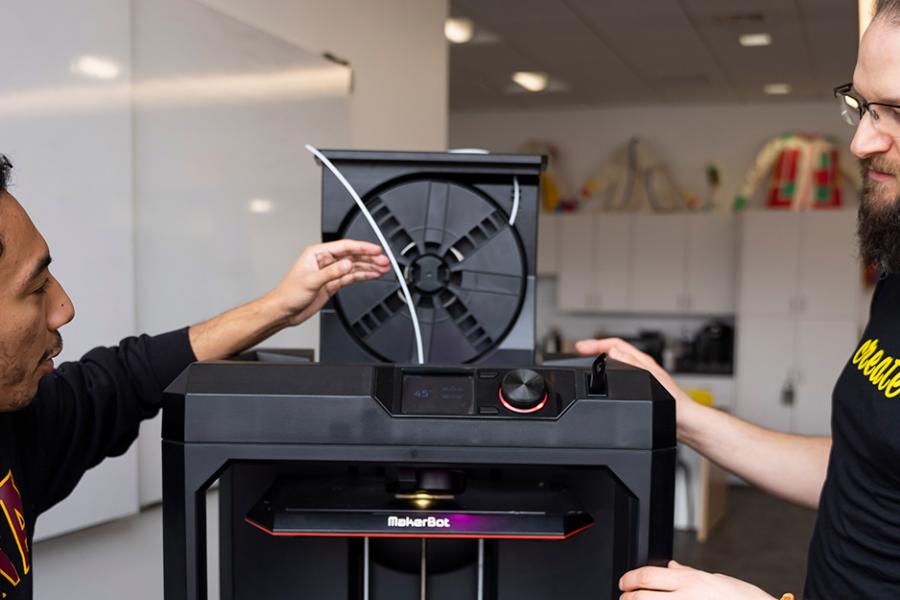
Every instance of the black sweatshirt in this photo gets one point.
(84, 412)
(855, 550)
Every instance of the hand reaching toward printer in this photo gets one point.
(789, 466)
(620, 350)
(318, 274)
(321, 271)
(678, 582)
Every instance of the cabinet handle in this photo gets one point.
(787, 393)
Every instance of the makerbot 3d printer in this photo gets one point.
(371, 475)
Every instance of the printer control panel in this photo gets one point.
(534, 393)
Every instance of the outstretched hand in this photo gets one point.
(321, 271)
(678, 582)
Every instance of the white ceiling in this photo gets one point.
(652, 51)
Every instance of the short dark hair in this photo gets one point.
(887, 9)
(5, 168)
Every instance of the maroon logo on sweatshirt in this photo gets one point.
(11, 507)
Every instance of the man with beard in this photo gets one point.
(54, 425)
(853, 477)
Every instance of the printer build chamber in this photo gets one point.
(477, 475)
(587, 565)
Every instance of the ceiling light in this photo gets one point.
(261, 205)
(459, 30)
(96, 67)
(755, 39)
(533, 81)
(777, 89)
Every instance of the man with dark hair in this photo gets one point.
(56, 424)
(852, 477)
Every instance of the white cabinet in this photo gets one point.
(612, 248)
(787, 368)
(648, 264)
(576, 271)
(684, 264)
(594, 269)
(802, 264)
(822, 351)
(710, 263)
(799, 294)
(769, 259)
(764, 370)
(659, 243)
(548, 244)
(830, 275)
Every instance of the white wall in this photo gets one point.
(73, 174)
(399, 58)
(199, 162)
(687, 138)
(398, 53)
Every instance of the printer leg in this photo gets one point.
(423, 572)
(367, 564)
(184, 525)
(480, 583)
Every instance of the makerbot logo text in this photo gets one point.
(432, 522)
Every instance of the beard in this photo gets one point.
(18, 382)
(878, 227)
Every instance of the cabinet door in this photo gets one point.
(711, 266)
(658, 273)
(576, 265)
(765, 354)
(823, 349)
(548, 244)
(769, 263)
(830, 273)
(610, 238)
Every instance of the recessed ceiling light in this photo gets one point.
(459, 30)
(533, 81)
(755, 39)
(261, 205)
(96, 67)
(777, 89)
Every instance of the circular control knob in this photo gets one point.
(523, 391)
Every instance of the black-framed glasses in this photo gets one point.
(853, 107)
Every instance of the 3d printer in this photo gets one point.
(471, 473)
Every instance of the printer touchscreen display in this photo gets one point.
(438, 395)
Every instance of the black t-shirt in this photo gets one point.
(84, 412)
(855, 549)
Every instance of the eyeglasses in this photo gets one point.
(886, 118)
